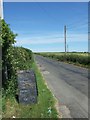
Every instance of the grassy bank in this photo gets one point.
(80, 59)
(43, 109)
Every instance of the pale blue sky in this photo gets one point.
(40, 26)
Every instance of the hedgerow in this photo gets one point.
(76, 58)
(13, 59)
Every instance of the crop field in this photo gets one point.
(78, 58)
(61, 53)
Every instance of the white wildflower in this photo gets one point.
(49, 110)
(13, 116)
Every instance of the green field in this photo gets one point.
(77, 58)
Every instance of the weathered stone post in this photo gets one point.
(27, 87)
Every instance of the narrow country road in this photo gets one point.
(69, 84)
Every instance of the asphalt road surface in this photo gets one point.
(69, 84)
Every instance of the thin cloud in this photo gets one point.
(52, 39)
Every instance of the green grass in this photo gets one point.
(40, 110)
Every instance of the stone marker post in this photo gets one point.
(27, 87)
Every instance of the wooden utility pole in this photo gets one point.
(67, 48)
(65, 36)
(1, 9)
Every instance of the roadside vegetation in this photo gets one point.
(19, 58)
(44, 108)
(77, 58)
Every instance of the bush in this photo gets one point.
(13, 59)
(77, 58)
(19, 58)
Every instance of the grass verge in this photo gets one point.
(45, 108)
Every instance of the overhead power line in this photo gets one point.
(78, 21)
(78, 25)
(69, 26)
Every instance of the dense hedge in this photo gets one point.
(19, 58)
(70, 57)
(13, 59)
(7, 40)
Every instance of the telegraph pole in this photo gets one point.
(67, 48)
(65, 36)
(1, 9)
